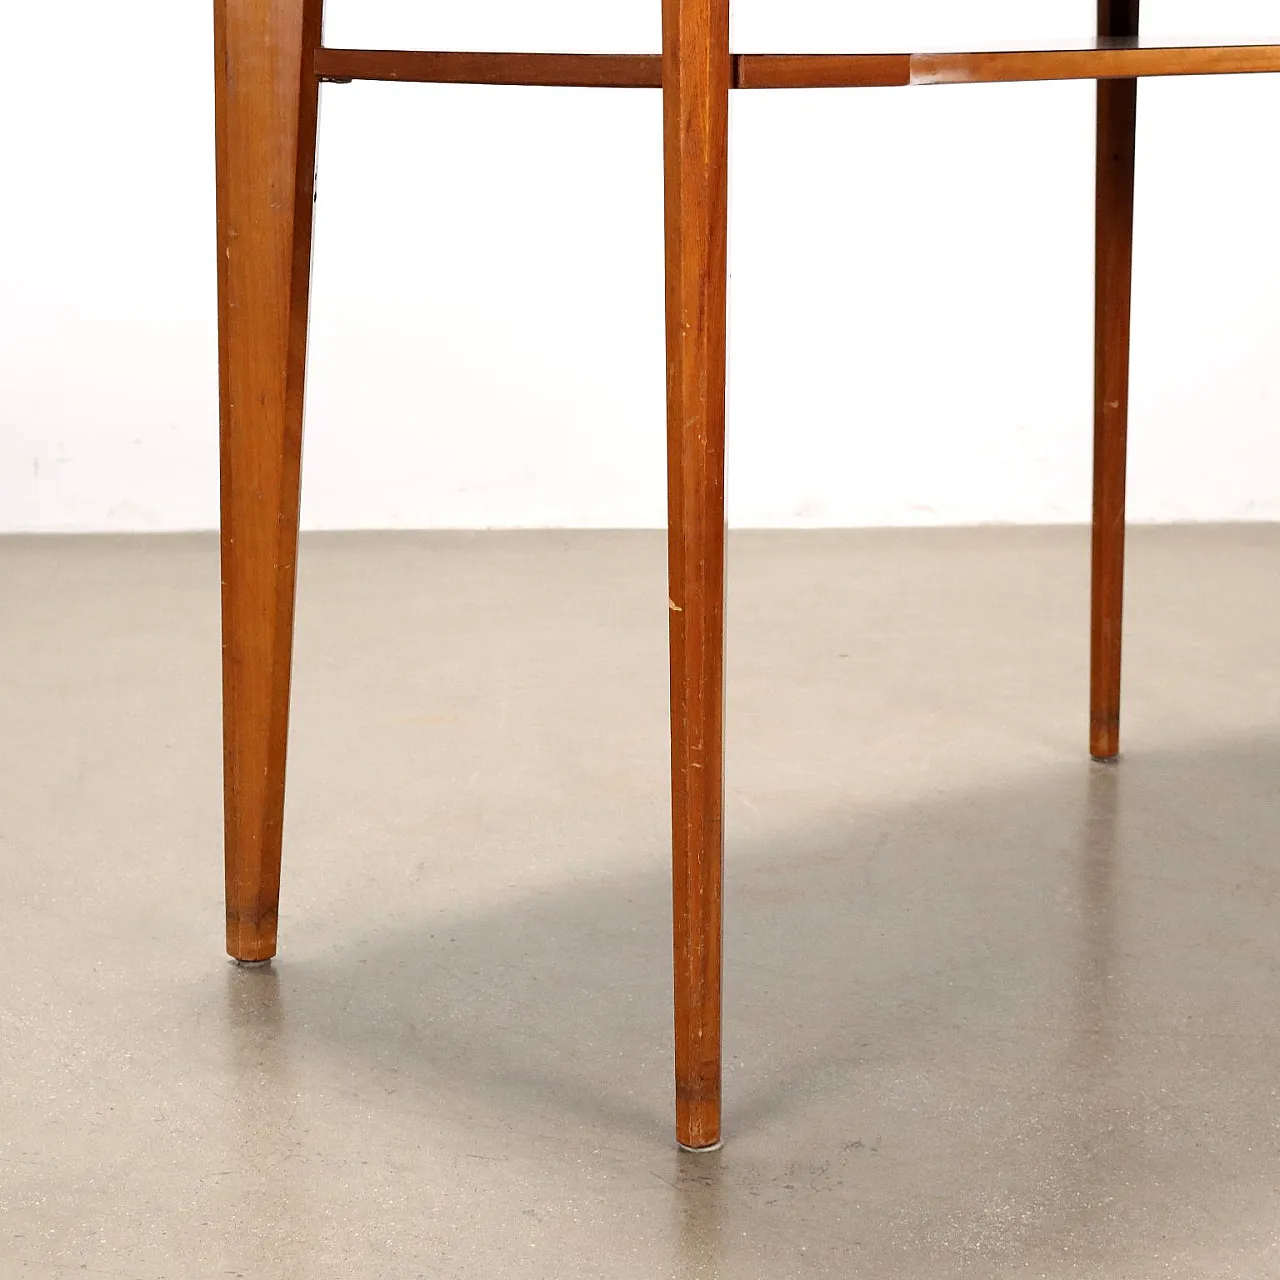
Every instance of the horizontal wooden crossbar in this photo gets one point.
(1100, 60)
(570, 70)
(1116, 60)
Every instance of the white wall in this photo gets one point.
(910, 301)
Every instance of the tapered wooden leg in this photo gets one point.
(266, 103)
(1117, 120)
(696, 73)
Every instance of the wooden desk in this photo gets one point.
(271, 61)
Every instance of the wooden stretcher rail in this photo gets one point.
(569, 70)
(1114, 59)
(1119, 60)
(821, 71)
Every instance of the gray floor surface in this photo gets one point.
(992, 1010)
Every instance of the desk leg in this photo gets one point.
(266, 104)
(696, 73)
(1117, 118)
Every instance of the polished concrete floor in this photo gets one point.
(993, 1010)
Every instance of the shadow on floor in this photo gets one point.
(1050, 1009)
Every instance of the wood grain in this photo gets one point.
(696, 79)
(821, 71)
(1116, 60)
(266, 105)
(1116, 143)
(1107, 58)
(573, 70)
